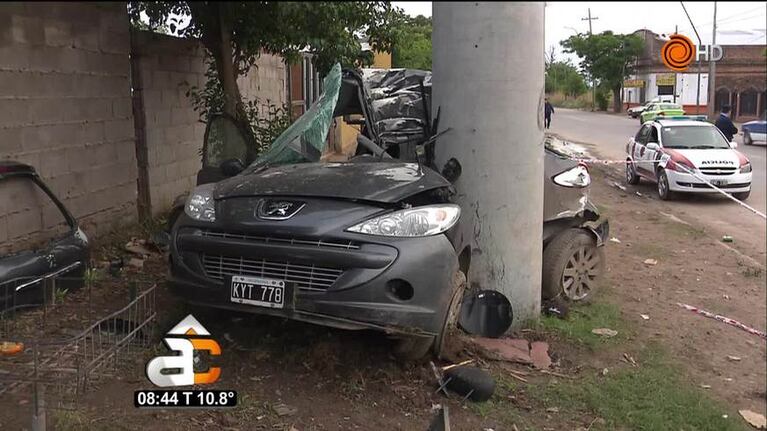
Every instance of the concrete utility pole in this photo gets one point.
(593, 88)
(488, 81)
(712, 74)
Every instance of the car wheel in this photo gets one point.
(631, 173)
(413, 348)
(742, 195)
(747, 139)
(663, 188)
(572, 266)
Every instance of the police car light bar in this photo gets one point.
(685, 117)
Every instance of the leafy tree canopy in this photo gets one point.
(411, 47)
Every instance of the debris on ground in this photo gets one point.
(470, 383)
(727, 238)
(138, 247)
(619, 185)
(705, 386)
(629, 359)
(136, 263)
(555, 307)
(284, 410)
(650, 262)
(9, 348)
(733, 358)
(754, 419)
(539, 353)
(645, 317)
(604, 371)
(615, 240)
(605, 332)
(505, 349)
(441, 421)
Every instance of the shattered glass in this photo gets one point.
(305, 139)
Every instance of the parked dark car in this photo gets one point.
(373, 242)
(52, 256)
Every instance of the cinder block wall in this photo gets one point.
(65, 107)
(169, 66)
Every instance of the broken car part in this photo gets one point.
(487, 313)
(470, 383)
(52, 255)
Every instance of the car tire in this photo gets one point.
(747, 138)
(473, 382)
(631, 173)
(414, 348)
(572, 266)
(664, 193)
(741, 196)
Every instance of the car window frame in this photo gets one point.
(654, 128)
(641, 135)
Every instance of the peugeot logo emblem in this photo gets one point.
(278, 210)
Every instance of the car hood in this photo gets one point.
(385, 182)
(702, 158)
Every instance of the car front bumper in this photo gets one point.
(758, 137)
(683, 182)
(397, 285)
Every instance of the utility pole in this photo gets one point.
(488, 79)
(712, 74)
(697, 60)
(593, 88)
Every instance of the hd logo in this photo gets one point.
(186, 337)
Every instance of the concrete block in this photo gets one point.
(27, 30)
(3, 232)
(14, 57)
(53, 163)
(90, 132)
(114, 42)
(122, 108)
(11, 140)
(118, 130)
(14, 112)
(23, 223)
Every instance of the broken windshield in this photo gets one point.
(305, 140)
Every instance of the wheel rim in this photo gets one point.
(662, 185)
(580, 273)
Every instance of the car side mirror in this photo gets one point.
(653, 146)
(733, 145)
(232, 167)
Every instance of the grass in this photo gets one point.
(582, 319)
(66, 420)
(684, 230)
(650, 397)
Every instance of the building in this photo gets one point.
(741, 80)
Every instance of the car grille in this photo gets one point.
(718, 171)
(306, 277)
(347, 245)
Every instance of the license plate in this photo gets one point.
(261, 292)
(719, 182)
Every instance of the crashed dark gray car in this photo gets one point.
(369, 243)
(48, 251)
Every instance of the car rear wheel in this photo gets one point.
(663, 188)
(413, 348)
(572, 266)
(747, 138)
(631, 173)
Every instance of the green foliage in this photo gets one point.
(606, 57)
(602, 98)
(650, 397)
(564, 78)
(411, 47)
(266, 121)
(582, 319)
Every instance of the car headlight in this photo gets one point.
(574, 177)
(412, 222)
(744, 169)
(200, 204)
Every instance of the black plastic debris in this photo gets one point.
(470, 383)
(487, 313)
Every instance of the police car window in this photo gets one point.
(642, 135)
(653, 136)
(693, 137)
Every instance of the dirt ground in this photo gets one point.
(293, 376)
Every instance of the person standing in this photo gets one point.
(548, 110)
(724, 123)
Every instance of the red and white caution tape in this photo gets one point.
(724, 319)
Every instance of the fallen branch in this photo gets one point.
(468, 361)
(556, 374)
(724, 319)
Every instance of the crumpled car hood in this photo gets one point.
(385, 182)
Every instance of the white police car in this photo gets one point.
(677, 152)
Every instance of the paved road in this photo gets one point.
(607, 135)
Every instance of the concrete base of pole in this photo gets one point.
(488, 63)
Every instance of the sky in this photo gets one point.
(737, 22)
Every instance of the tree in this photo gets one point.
(236, 33)
(563, 77)
(411, 47)
(606, 57)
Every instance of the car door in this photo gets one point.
(224, 145)
(650, 112)
(651, 152)
(639, 148)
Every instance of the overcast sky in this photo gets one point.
(737, 22)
